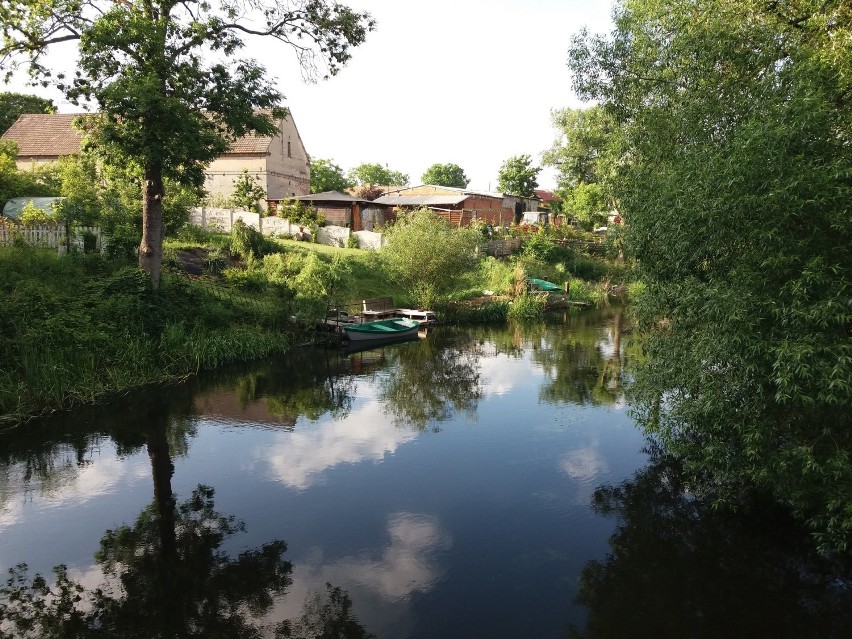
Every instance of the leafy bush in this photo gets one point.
(429, 256)
(248, 192)
(540, 247)
(248, 242)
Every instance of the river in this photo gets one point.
(484, 482)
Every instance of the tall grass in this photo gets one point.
(75, 329)
(527, 306)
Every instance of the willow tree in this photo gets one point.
(166, 76)
(736, 117)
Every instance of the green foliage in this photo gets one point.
(587, 203)
(247, 242)
(540, 246)
(445, 175)
(367, 174)
(130, 52)
(302, 214)
(517, 176)
(13, 105)
(248, 192)
(736, 196)
(328, 176)
(428, 256)
(15, 183)
(30, 215)
(586, 155)
(76, 328)
(321, 285)
(490, 312)
(247, 279)
(527, 306)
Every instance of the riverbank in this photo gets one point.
(78, 328)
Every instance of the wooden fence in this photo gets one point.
(53, 236)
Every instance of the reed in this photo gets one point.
(527, 306)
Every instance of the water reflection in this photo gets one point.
(318, 447)
(432, 379)
(679, 568)
(165, 576)
(386, 578)
(584, 364)
(299, 459)
(306, 383)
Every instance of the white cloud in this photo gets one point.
(380, 583)
(299, 458)
(69, 485)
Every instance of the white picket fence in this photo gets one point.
(54, 236)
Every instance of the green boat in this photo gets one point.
(543, 285)
(385, 329)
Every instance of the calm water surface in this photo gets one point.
(443, 486)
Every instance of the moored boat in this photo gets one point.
(544, 285)
(385, 329)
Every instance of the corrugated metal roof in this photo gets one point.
(466, 191)
(327, 196)
(421, 200)
(330, 196)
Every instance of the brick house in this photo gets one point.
(460, 206)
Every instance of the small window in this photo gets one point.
(289, 152)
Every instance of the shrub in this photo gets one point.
(540, 247)
(428, 256)
(247, 241)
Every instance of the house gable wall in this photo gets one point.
(281, 175)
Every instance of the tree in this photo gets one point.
(15, 183)
(586, 155)
(517, 176)
(167, 107)
(367, 174)
(428, 256)
(248, 192)
(327, 176)
(736, 117)
(13, 105)
(446, 175)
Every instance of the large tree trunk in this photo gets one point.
(153, 229)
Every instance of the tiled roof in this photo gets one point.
(249, 144)
(545, 196)
(45, 135)
(52, 135)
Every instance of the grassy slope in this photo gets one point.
(74, 329)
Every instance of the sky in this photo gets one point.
(471, 82)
